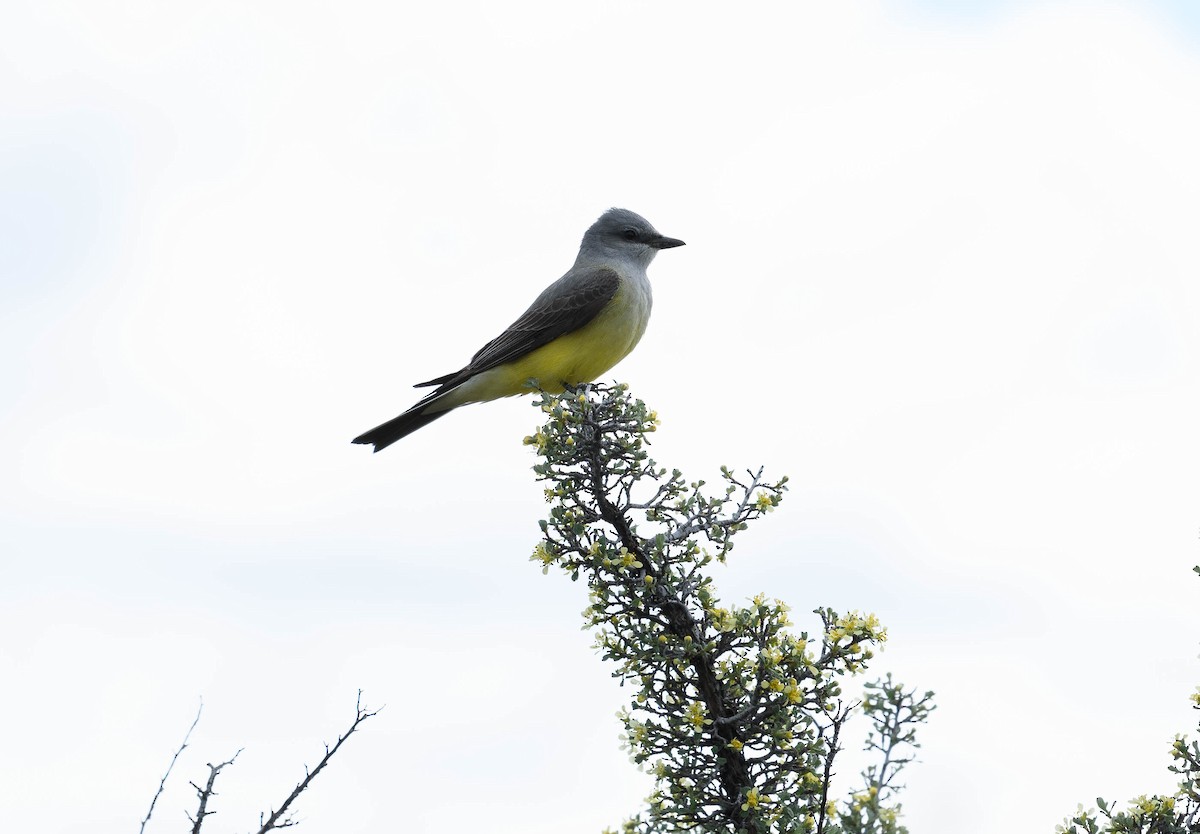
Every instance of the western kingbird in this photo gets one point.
(579, 327)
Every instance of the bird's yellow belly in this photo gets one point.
(573, 358)
(577, 357)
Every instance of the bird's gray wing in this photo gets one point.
(566, 305)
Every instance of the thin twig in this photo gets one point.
(163, 782)
(839, 717)
(274, 822)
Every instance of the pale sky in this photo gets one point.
(941, 271)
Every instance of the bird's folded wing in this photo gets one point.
(566, 305)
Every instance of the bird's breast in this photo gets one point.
(573, 358)
(590, 351)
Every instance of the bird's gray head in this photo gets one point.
(621, 233)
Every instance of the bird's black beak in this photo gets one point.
(666, 243)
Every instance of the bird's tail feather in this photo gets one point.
(441, 380)
(386, 434)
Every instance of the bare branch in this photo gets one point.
(163, 782)
(278, 819)
(837, 720)
(207, 792)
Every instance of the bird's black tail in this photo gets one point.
(386, 434)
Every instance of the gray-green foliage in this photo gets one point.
(1177, 813)
(737, 717)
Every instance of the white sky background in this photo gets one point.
(941, 270)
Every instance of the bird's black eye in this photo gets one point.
(630, 234)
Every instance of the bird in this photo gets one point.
(577, 329)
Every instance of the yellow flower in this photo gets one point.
(736, 744)
(752, 799)
(694, 715)
(765, 502)
(722, 619)
(539, 439)
(544, 553)
(628, 560)
(793, 692)
(1144, 805)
